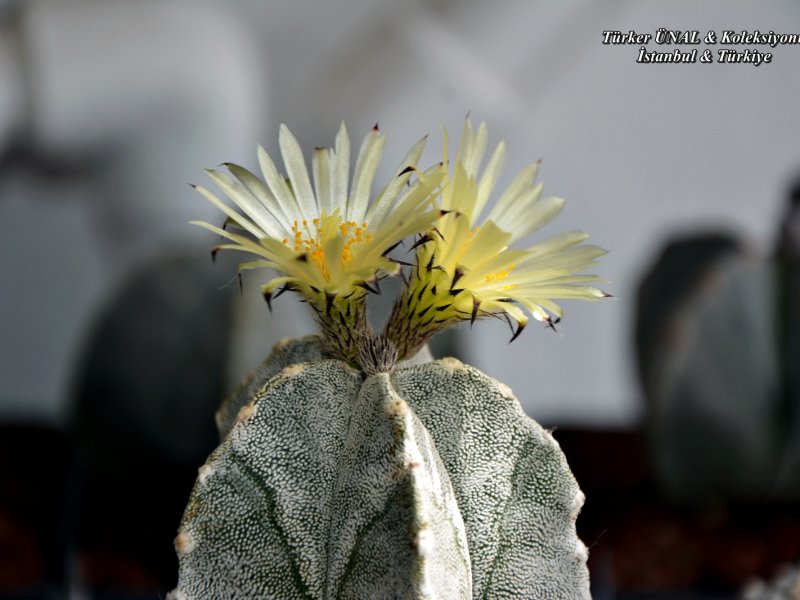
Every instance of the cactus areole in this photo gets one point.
(347, 467)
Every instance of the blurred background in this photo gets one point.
(676, 402)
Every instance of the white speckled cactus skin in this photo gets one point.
(426, 482)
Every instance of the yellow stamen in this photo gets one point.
(501, 274)
(311, 240)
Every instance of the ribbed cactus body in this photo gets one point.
(426, 482)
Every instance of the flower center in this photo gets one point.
(311, 240)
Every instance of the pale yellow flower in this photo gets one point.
(466, 268)
(325, 239)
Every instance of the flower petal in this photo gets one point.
(369, 156)
(298, 174)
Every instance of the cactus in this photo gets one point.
(426, 482)
(349, 467)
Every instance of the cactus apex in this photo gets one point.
(292, 370)
(506, 390)
(184, 544)
(204, 472)
(281, 344)
(245, 412)
(219, 419)
(581, 551)
(576, 504)
(424, 541)
(396, 406)
(451, 364)
(547, 434)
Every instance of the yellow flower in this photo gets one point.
(326, 240)
(466, 270)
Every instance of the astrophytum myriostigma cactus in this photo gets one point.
(426, 482)
(347, 470)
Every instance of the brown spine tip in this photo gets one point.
(459, 273)
(329, 298)
(401, 262)
(429, 266)
(520, 327)
(424, 324)
(408, 169)
(367, 286)
(214, 251)
(424, 239)
(375, 127)
(404, 277)
(303, 257)
(268, 299)
(390, 248)
(439, 233)
(475, 307)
